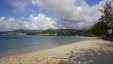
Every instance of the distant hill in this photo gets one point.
(49, 32)
(17, 32)
(64, 32)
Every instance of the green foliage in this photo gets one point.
(105, 22)
(65, 32)
(98, 30)
(60, 32)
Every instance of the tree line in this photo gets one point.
(104, 26)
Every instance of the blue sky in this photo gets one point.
(92, 2)
(8, 11)
(48, 14)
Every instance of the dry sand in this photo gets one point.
(41, 57)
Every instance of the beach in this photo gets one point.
(41, 57)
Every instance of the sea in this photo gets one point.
(15, 44)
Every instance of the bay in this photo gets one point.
(19, 44)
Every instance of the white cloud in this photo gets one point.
(12, 24)
(39, 22)
(72, 13)
(42, 22)
(2, 18)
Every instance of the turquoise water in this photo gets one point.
(28, 43)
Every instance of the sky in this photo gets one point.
(49, 14)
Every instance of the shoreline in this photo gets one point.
(41, 57)
(36, 49)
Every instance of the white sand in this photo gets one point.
(40, 57)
